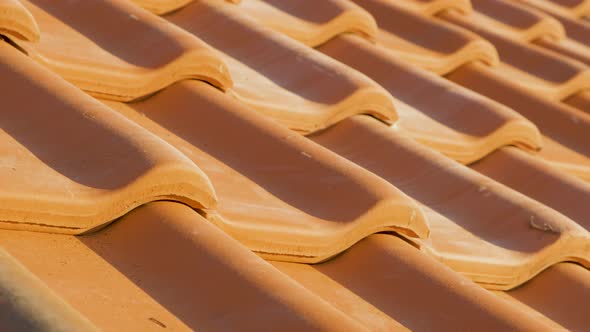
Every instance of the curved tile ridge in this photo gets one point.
(577, 45)
(312, 22)
(383, 275)
(478, 227)
(279, 77)
(575, 9)
(17, 22)
(550, 74)
(208, 269)
(163, 260)
(29, 305)
(280, 194)
(580, 101)
(68, 164)
(451, 119)
(566, 129)
(162, 7)
(433, 7)
(425, 42)
(134, 55)
(515, 21)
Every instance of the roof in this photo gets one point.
(295, 165)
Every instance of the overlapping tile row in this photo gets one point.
(422, 118)
(117, 61)
(312, 24)
(497, 281)
(87, 168)
(266, 177)
(281, 210)
(528, 267)
(573, 8)
(288, 198)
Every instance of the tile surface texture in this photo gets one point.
(334, 165)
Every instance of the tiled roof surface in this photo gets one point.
(302, 165)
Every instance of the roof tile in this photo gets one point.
(533, 67)
(405, 285)
(581, 101)
(266, 177)
(540, 181)
(573, 8)
(163, 265)
(17, 22)
(134, 55)
(85, 169)
(500, 238)
(432, 7)
(28, 305)
(565, 128)
(515, 20)
(430, 44)
(453, 120)
(507, 221)
(568, 287)
(316, 93)
(312, 22)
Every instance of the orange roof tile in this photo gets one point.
(477, 180)
(431, 7)
(453, 120)
(59, 176)
(574, 8)
(134, 55)
(424, 42)
(17, 22)
(312, 23)
(258, 58)
(279, 210)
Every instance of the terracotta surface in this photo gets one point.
(272, 73)
(568, 288)
(161, 7)
(86, 169)
(540, 181)
(580, 101)
(453, 120)
(565, 128)
(577, 45)
(430, 44)
(573, 8)
(123, 277)
(28, 305)
(478, 227)
(515, 20)
(312, 22)
(550, 74)
(266, 177)
(513, 219)
(134, 55)
(17, 22)
(400, 285)
(432, 7)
